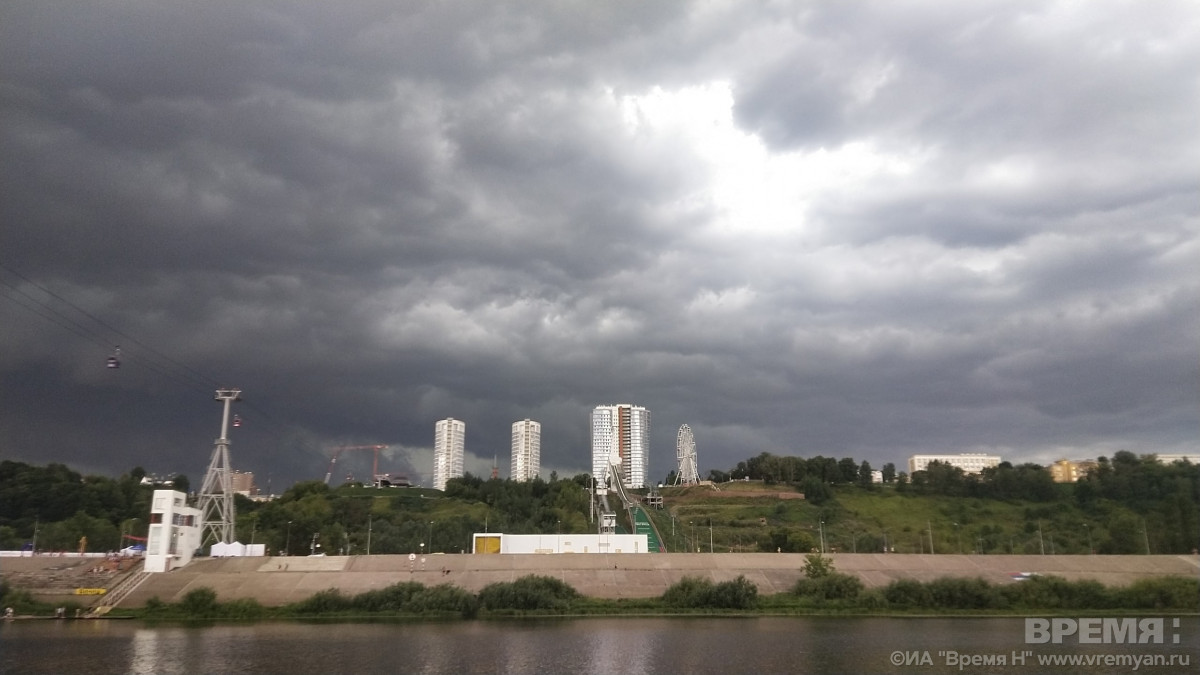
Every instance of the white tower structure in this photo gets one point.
(621, 437)
(448, 440)
(526, 450)
(685, 453)
(216, 493)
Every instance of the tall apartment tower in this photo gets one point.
(448, 438)
(526, 449)
(621, 434)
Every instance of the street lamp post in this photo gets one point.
(710, 538)
(822, 526)
(431, 536)
(369, 534)
(958, 536)
(692, 541)
(287, 547)
(1088, 529)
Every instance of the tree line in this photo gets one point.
(1140, 505)
(1129, 496)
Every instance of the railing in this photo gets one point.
(122, 589)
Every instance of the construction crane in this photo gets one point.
(338, 453)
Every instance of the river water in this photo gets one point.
(624, 645)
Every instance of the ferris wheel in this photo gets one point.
(685, 453)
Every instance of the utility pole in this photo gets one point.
(930, 526)
(1041, 543)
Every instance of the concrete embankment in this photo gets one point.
(281, 580)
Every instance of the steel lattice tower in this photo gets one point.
(216, 494)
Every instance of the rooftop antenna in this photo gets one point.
(216, 494)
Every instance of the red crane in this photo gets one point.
(337, 453)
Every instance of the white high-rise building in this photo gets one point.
(621, 435)
(968, 462)
(526, 450)
(448, 438)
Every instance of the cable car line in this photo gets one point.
(208, 382)
(180, 373)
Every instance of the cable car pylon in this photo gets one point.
(216, 493)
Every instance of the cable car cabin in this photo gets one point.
(114, 360)
(237, 421)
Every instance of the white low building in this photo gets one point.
(967, 461)
(175, 531)
(495, 542)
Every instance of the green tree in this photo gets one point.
(889, 472)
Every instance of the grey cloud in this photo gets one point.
(374, 217)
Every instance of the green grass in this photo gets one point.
(857, 520)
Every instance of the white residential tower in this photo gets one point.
(526, 450)
(621, 435)
(448, 437)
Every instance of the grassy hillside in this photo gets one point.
(754, 516)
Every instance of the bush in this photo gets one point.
(528, 593)
(327, 601)
(200, 603)
(960, 593)
(1160, 593)
(696, 593)
(394, 598)
(737, 594)
(830, 586)
(444, 598)
(688, 592)
(817, 565)
(1052, 592)
(907, 593)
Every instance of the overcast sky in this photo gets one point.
(849, 229)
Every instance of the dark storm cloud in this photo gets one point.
(915, 227)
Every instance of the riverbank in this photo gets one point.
(279, 581)
(831, 593)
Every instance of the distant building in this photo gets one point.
(495, 542)
(243, 483)
(621, 436)
(1071, 470)
(448, 440)
(1170, 459)
(174, 533)
(968, 462)
(526, 450)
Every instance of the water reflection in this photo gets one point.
(603, 645)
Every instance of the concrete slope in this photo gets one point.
(282, 580)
